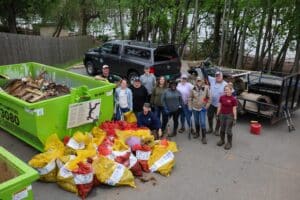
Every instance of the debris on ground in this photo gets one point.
(35, 89)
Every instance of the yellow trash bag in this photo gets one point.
(98, 133)
(77, 142)
(45, 164)
(54, 143)
(65, 178)
(119, 145)
(89, 152)
(161, 160)
(169, 145)
(144, 134)
(130, 117)
(112, 173)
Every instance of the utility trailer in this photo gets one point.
(273, 96)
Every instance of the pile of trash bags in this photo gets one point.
(113, 154)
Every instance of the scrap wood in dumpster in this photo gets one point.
(111, 154)
(35, 89)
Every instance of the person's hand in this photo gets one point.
(166, 111)
(159, 133)
(217, 117)
(234, 122)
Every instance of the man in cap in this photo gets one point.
(148, 119)
(217, 85)
(106, 75)
(139, 95)
(148, 80)
(185, 89)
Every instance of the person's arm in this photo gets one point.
(190, 100)
(129, 93)
(234, 113)
(208, 96)
(180, 100)
(219, 109)
(211, 79)
(152, 96)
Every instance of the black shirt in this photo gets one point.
(139, 96)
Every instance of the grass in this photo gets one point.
(69, 64)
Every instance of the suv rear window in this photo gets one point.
(164, 53)
(137, 52)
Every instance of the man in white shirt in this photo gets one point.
(217, 85)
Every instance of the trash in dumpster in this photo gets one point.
(113, 153)
(35, 89)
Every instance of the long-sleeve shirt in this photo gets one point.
(148, 80)
(139, 97)
(200, 97)
(172, 100)
(156, 96)
(149, 120)
(128, 94)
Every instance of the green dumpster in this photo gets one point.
(15, 177)
(63, 115)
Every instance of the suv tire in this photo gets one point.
(90, 68)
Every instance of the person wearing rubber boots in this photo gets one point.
(172, 103)
(227, 115)
(199, 102)
(217, 85)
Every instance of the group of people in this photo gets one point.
(156, 102)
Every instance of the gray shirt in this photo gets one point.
(148, 81)
(171, 100)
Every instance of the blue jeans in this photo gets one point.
(200, 118)
(159, 111)
(185, 114)
(120, 111)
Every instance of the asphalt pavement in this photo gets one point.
(258, 167)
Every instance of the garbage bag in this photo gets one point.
(143, 133)
(111, 173)
(130, 117)
(142, 153)
(77, 142)
(169, 145)
(45, 164)
(54, 143)
(119, 145)
(65, 178)
(161, 160)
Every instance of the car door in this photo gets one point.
(111, 56)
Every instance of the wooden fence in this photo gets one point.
(16, 48)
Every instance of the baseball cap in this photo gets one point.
(184, 76)
(147, 105)
(136, 79)
(218, 73)
(199, 78)
(105, 66)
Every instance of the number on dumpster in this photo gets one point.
(8, 116)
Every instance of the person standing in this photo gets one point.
(156, 101)
(106, 75)
(199, 102)
(139, 95)
(227, 113)
(185, 89)
(148, 119)
(123, 99)
(148, 81)
(172, 103)
(217, 85)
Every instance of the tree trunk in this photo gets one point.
(175, 23)
(133, 22)
(11, 18)
(282, 54)
(216, 34)
(84, 25)
(258, 43)
(195, 42)
(296, 65)
(242, 46)
(267, 33)
(226, 14)
(121, 20)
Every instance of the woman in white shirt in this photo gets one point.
(123, 99)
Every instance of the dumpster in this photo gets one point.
(15, 177)
(89, 103)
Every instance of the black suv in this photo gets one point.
(128, 58)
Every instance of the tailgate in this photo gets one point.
(167, 67)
